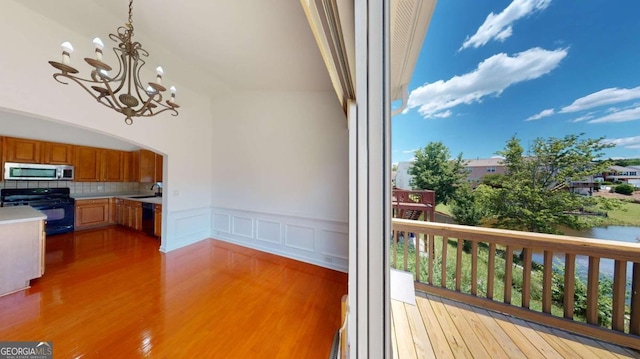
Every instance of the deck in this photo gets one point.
(440, 328)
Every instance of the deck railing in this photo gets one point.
(482, 266)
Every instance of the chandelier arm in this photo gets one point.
(98, 98)
(167, 108)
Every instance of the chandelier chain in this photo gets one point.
(131, 12)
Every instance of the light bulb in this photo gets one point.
(173, 94)
(67, 49)
(159, 72)
(99, 46)
(150, 90)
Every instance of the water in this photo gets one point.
(613, 233)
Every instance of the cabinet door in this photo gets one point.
(157, 220)
(87, 163)
(158, 176)
(112, 166)
(92, 213)
(21, 150)
(130, 166)
(147, 166)
(57, 153)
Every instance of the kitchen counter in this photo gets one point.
(22, 245)
(127, 196)
(20, 214)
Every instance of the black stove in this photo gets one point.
(55, 203)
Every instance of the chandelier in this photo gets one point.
(123, 92)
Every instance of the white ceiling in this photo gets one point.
(211, 45)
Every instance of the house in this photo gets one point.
(481, 167)
(477, 169)
(260, 89)
(630, 174)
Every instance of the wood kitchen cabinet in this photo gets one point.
(57, 153)
(91, 213)
(128, 213)
(150, 166)
(21, 150)
(99, 165)
(157, 220)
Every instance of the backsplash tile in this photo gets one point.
(80, 187)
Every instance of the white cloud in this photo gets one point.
(499, 27)
(583, 118)
(411, 151)
(444, 114)
(544, 113)
(621, 116)
(627, 142)
(603, 97)
(492, 76)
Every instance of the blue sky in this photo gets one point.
(489, 70)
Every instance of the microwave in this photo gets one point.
(37, 172)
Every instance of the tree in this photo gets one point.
(466, 210)
(533, 196)
(433, 169)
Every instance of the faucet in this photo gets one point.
(159, 186)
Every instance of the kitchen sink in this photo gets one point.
(140, 197)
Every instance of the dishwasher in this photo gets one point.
(147, 218)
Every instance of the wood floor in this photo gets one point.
(111, 294)
(440, 328)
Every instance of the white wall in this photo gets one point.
(27, 86)
(280, 163)
(403, 178)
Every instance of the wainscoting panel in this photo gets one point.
(242, 226)
(222, 222)
(321, 242)
(186, 227)
(268, 231)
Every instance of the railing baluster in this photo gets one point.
(474, 268)
(491, 271)
(508, 274)
(405, 239)
(619, 291)
(396, 238)
(432, 251)
(459, 264)
(593, 278)
(417, 245)
(546, 281)
(443, 280)
(634, 326)
(569, 284)
(526, 277)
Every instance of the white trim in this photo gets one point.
(185, 228)
(316, 241)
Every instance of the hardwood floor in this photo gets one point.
(110, 293)
(440, 328)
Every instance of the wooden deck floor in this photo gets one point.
(440, 328)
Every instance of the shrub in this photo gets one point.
(624, 188)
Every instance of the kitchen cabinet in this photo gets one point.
(21, 150)
(87, 164)
(147, 166)
(129, 213)
(57, 153)
(131, 166)
(92, 213)
(22, 244)
(158, 168)
(98, 165)
(157, 220)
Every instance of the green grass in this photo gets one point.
(443, 208)
(498, 292)
(627, 215)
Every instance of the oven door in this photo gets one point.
(60, 217)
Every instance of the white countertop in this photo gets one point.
(17, 214)
(154, 200)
